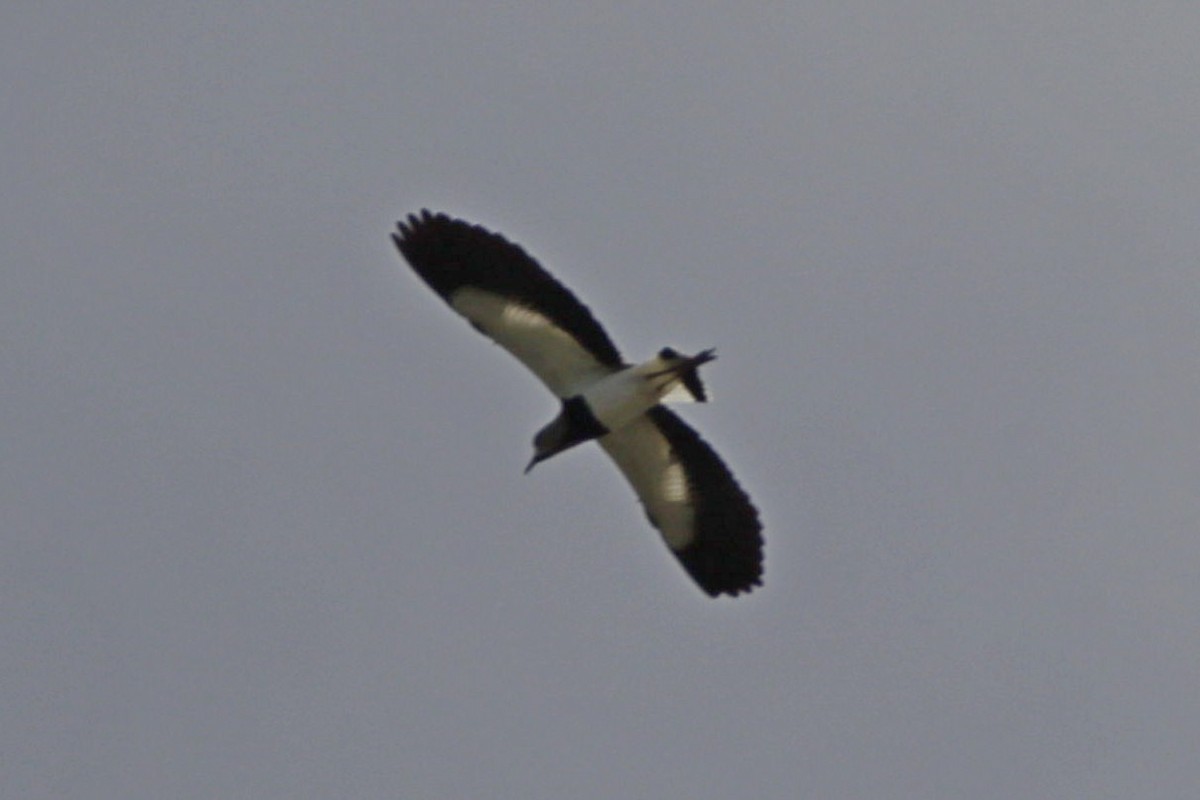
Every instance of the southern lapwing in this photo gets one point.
(688, 494)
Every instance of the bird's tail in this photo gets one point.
(684, 374)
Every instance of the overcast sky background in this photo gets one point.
(263, 524)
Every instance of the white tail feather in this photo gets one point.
(678, 393)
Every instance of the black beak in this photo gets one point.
(533, 462)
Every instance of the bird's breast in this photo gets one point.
(618, 399)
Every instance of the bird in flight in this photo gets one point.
(687, 492)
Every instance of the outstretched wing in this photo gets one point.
(507, 295)
(690, 496)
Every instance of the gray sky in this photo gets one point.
(263, 524)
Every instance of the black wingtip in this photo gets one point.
(723, 573)
(446, 252)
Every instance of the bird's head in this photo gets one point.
(549, 441)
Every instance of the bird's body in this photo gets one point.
(703, 515)
(621, 397)
(612, 402)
